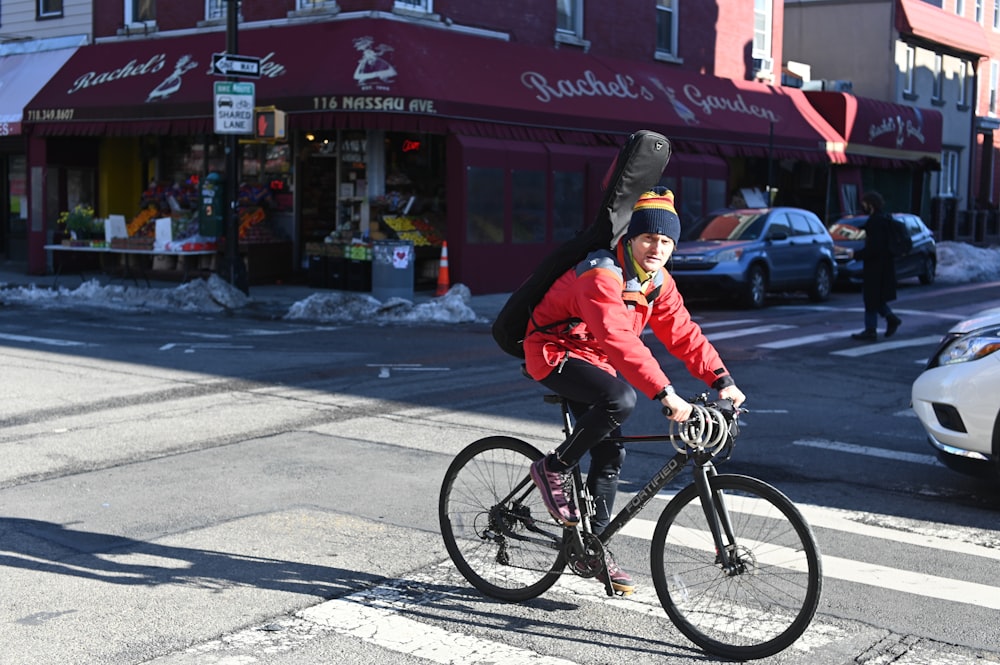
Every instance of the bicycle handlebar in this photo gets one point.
(711, 427)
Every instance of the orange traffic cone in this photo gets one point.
(442, 286)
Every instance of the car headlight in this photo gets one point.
(972, 346)
(842, 253)
(729, 255)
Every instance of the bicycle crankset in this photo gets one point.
(587, 561)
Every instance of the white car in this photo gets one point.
(956, 396)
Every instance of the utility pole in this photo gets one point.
(236, 272)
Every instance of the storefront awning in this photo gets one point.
(387, 74)
(881, 133)
(22, 75)
(933, 24)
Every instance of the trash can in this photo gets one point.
(392, 269)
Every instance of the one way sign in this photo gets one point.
(230, 64)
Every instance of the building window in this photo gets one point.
(666, 26)
(948, 178)
(960, 7)
(140, 11)
(416, 5)
(938, 76)
(569, 17)
(994, 81)
(996, 14)
(215, 9)
(50, 8)
(908, 72)
(761, 29)
(961, 78)
(979, 11)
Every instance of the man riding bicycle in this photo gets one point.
(586, 332)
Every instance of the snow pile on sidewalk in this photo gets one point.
(337, 307)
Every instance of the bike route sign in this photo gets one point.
(233, 106)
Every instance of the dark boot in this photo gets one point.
(892, 325)
(865, 336)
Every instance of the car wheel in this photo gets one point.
(930, 268)
(755, 288)
(823, 284)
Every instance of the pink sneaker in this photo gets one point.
(557, 493)
(621, 581)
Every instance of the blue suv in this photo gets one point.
(747, 253)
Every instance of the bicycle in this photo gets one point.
(734, 563)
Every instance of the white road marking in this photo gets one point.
(743, 332)
(876, 575)
(877, 347)
(43, 340)
(805, 339)
(914, 458)
(192, 347)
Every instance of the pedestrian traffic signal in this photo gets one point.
(268, 124)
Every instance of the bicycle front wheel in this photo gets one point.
(494, 524)
(764, 600)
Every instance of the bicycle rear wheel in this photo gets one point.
(763, 603)
(494, 524)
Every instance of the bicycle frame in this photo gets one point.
(702, 469)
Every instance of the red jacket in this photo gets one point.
(600, 311)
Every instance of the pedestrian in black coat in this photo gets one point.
(879, 270)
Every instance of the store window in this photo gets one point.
(484, 211)
(528, 206)
(567, 204)
(16, 230)
(50, 8)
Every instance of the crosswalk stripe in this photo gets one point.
(878, 347)
(743, 332)
(914, 458)
(374, 616)
(871, 574)
(805, 339)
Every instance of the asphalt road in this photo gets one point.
(200, 489)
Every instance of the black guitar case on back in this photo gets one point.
(636, 169)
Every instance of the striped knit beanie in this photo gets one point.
(654, 213)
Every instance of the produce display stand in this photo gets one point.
(130, 267)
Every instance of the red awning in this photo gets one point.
(933, 24)
(22, 75)
(386, 74)
(882, 133)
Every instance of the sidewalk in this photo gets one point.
(268, 299)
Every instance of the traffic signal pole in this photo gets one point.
(235, 270)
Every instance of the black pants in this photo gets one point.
(600, 403)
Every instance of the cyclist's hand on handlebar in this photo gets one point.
(734, 394)
(677, 408)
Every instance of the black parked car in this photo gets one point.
(849, 234)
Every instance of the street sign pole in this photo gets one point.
(236, 271)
